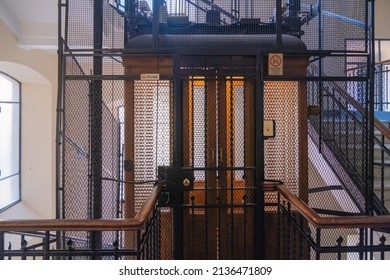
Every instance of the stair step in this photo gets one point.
(386, 195)
(377, 184)
(378, 169)
(378, 153)
(378, 135)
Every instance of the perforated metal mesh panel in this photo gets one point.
(337, 20)
(80, 26)
(282, 152)
(152, 107)
(77, 195)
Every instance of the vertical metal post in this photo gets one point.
(59, 115)
(177, 158)
(279, 23)
(259, 142)
(156, 23)
(371, 96)
(127, 21)
(362, 238)
(2, 245)
(320, 85)
(96, 107)
(47, 245)
(318, 243)
(60, 150)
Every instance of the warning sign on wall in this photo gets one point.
(275, 64)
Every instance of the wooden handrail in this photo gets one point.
(365, 66)
(382, 128)
(382, 62)
(328, 222)
(87, 225)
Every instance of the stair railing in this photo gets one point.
(140, 235)
(382, 136)
(381, 186)
(304, 234)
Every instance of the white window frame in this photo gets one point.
(15, 188)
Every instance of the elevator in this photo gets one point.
(208, 113)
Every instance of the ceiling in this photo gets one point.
(33, 22)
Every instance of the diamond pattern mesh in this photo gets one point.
(220, 124)
(281, 152)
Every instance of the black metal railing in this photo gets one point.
(382, 97)
(134, 238)
(303, 234)
(382, 139)
(341, 132)
(345, 122)
(381, 168)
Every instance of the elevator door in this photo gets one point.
(219, 145)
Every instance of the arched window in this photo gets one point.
(10, 127)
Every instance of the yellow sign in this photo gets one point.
(275, 64)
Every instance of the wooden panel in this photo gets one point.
(137, 65)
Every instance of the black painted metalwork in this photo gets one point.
(216, 54)
(147, 247)
(298, 239)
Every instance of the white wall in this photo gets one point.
(37, 71)
(382, 16)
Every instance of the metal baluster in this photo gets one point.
(300, 256)
(308, 234)
(382, 186)
(116, 249)
(2, 245)
(284, 221)
(288, 237)
(157, 231)
(9, 249)
(294, 237)
(371, 256)
(361, 244)
(139, 245)
(23, 246)
(382, 246)
(69, 244)
(339, 243)
(318, 243)
(47, 245)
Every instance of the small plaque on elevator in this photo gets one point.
(150, 77)
(269, 128)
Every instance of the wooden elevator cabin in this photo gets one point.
(219, 79)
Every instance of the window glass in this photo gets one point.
(9, 141)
